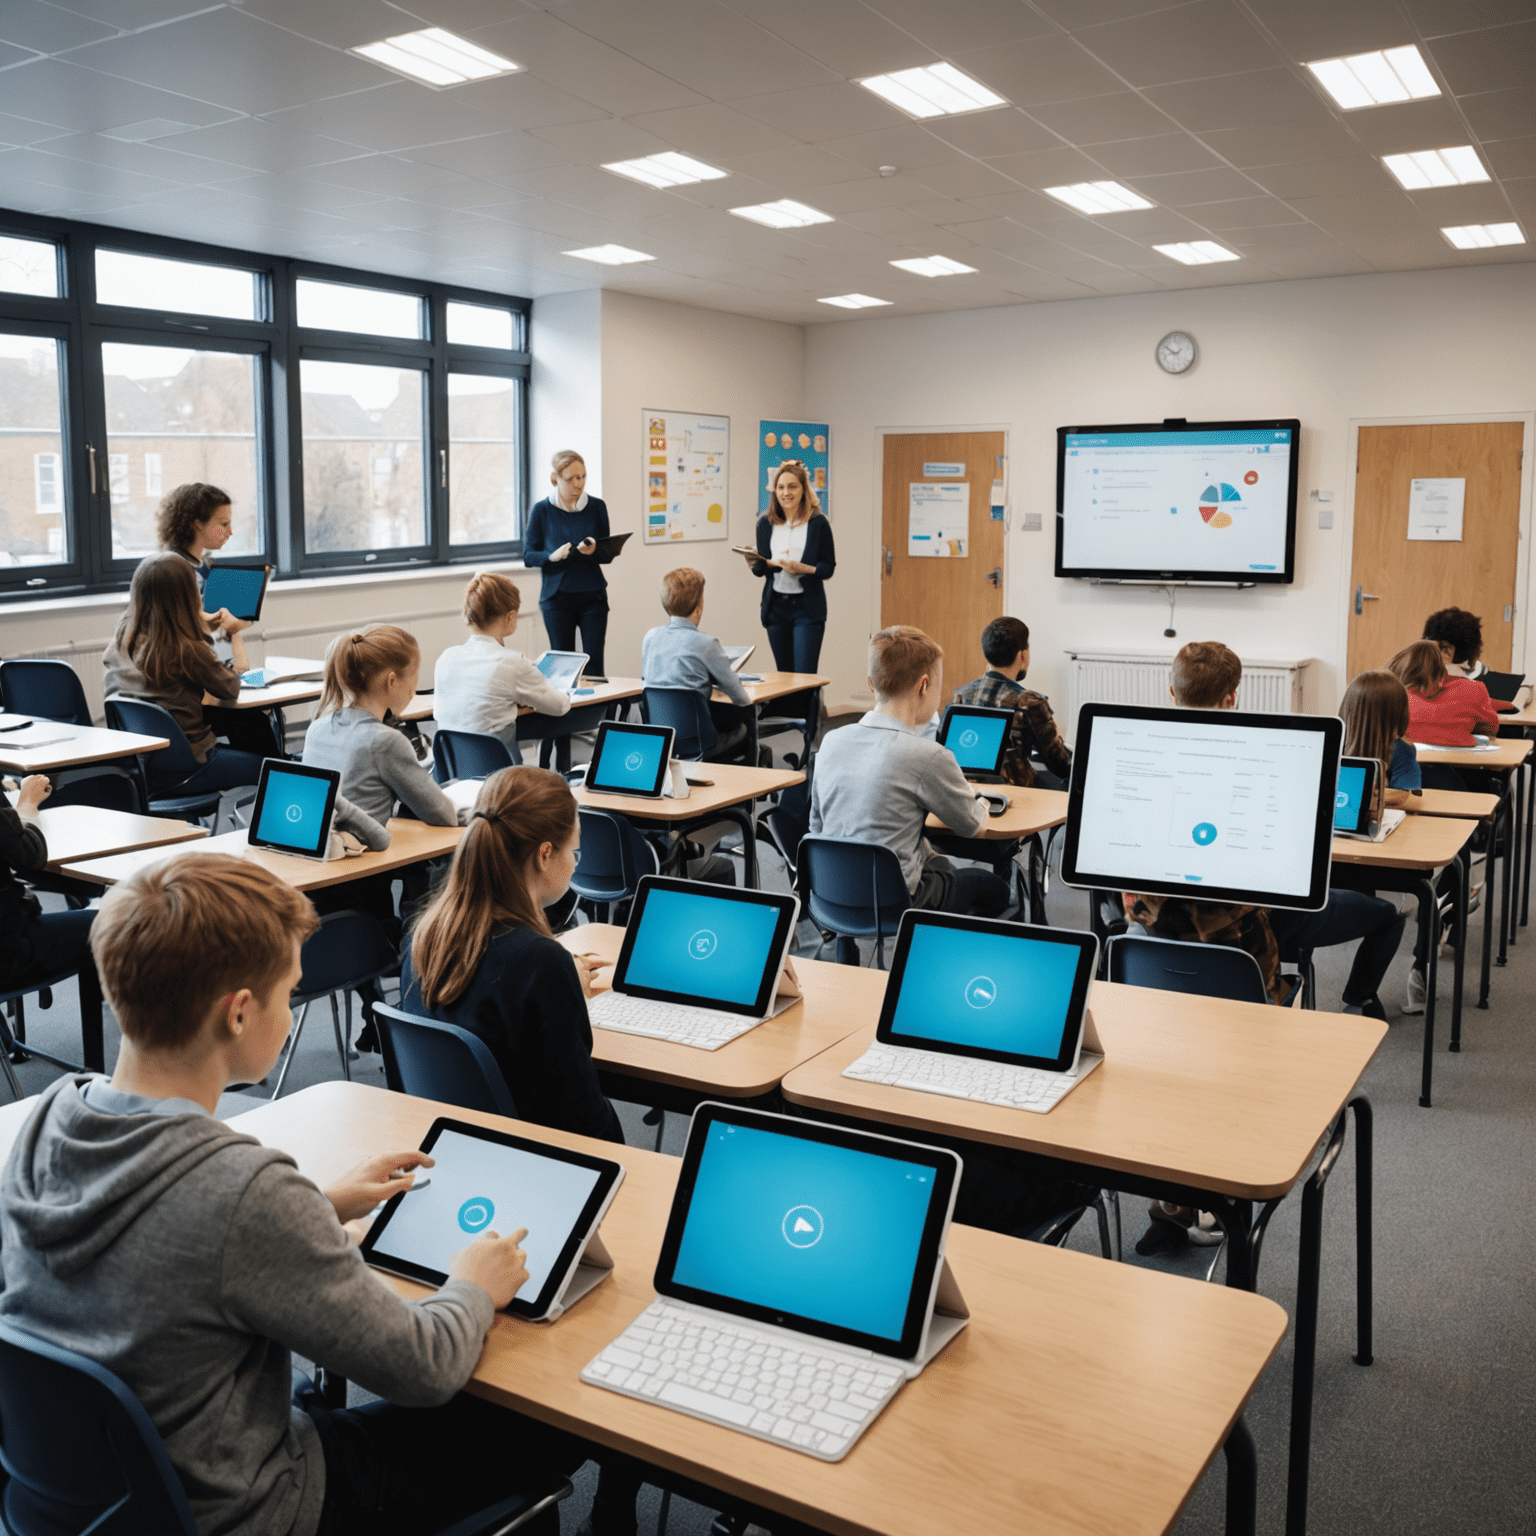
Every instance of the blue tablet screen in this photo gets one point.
(237, 588)
(630, 761)
(705, 947)
(293, 811)
(1347, 797)
(977, 741)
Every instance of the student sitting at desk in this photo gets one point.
(676, 655)
(1005, 644)
(482, 957)
(1459, 634)
(161, 654)
(480, 684)
(187, 1258)
(878, 782)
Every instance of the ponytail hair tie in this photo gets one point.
(486, 815)
(357, 637)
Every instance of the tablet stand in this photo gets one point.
(949, 1315)
(1091, 1041)
(592, 1267)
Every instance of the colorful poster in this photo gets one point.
(810, 442)
(687, 467)
(938, 520)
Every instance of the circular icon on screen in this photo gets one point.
(295, 813)
(802, 1226)
(702, 945)
(1204, 834)
(476, 1213)
(634, 762)
(981, 991)
(1341, 799)
(1251, 478)
(969, 738)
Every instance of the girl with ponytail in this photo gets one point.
(482, 957)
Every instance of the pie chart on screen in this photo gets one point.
(1210, 504)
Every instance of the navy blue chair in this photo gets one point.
(349, 951)
(1203, 970)
(854, 889)
(468, 755)
(174, 762)
(430, 1059)
(786, 821)
(13, 1045)
(50, 689)
(797, 712)
(693, 732)
(81, 1455)
(613, 858)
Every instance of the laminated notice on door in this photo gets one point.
(938, 520)
(1435, 509)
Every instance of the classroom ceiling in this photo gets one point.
(250, 125)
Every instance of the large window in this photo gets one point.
(357, 421)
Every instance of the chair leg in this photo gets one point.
(656, 1116)
(1106, 1205)
(293, 1047)
(342, 1041)
(666, 1509)
(11, 1080)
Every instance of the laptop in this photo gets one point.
(1503, 686)
(700, 963)
(630, 760)
(1358, 809)
(978, 738)
(240, 588)
(993, 1012)
(738, 655)
(295, 806)
(814, 1255)
(563, 668)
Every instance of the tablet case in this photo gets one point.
(593, 1265)
(948, 1315)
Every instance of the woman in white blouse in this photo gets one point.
(796, 557)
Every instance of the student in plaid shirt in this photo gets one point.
(1005, 644)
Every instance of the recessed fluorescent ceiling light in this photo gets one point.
(1436, 167)
(1374, 79)
(784, 214)
(668, 170)
(936, 90)
(436, 57)
(1196, 253)
(610, 255)
(932, 266)
(854, 301)
(1098, 197)
(1472, 237)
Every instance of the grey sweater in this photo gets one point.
(377, 767)
(190, 1260)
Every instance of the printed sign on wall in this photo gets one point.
(808, 441)
(687, 469)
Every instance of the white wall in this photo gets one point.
(1329, 351)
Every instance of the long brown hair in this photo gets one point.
(353, 661)
(516, 811)
(1420, 668)
(808, 497)
(161, 630)
(1375, 716)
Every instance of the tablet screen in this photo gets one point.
(1349, 798)
(484, 1181)
(562, 668)
(976, 737)
(293, 808)
(235, 587)
(630, 759)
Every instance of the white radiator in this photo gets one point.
(1141, 677)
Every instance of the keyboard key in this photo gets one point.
(702, 1403)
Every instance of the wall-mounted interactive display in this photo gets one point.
(1184, 501)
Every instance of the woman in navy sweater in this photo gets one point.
(796, 555)
(562, 539)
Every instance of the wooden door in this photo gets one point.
(951, 598)
(1409, 579)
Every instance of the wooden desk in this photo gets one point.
(1409, 860)
(1083, 1396)
(274, 696)
(728, 798)
(753, 1064)
(413, 842)
(1452, 802)
(1029, 811)
(80, 832)
(71, 746)
(1502, 753)
(295, 668)
(777, 685)
(1524, 720)
(614, 691)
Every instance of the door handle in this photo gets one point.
(995, 576)
(442, 460)
(90, 450)
(1362, 597)
(887, 559)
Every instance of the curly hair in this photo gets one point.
(1460, 630)
(183, 509)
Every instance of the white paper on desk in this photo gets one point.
(938, 520)
(1435, 509)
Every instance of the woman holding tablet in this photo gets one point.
(562, 540)
(194, 520)
(796, 556)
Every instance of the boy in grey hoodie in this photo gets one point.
(138, 1230)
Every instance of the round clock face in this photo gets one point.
(1176, 352)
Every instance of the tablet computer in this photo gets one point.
(485, 1180)
(294, 808)
(978, 737)
(1502, 686)
(1358, 799)
(630, 759)
(563, 668)
(240, 588)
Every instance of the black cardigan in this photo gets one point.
(525, 1002)
(819, 552)
(22, 846)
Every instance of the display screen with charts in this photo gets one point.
(630, 759)
(1216, 804)
(294, 808)
(977, 737)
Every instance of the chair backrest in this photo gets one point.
(146, 719)
(48, 688)
(1206, 970)
(687, 713)
(468, 755)
(429, 1059)
(790, 819)
(79, 1448)
(348, 948)
(852, 887)
(607, 869)
(116, 789)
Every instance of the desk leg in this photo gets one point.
(742, 816)
(1511, 820)
(92, 1039)
(1512, 849)
(1365, 1123)
(1242, 1482)
(1429, 912)
(1528, 773)
(1463, 869)
(1488, 892)
(1236, 1218)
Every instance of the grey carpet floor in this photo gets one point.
(1437, 1436)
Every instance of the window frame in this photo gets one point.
(82, 323)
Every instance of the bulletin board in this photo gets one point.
(687, 475)
(808, 441)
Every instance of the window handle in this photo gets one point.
(442, 471)
(90, 450)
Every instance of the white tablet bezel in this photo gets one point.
(271, 766)
(575, 679)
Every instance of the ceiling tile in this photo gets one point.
(126, 15)
(53, 91)
(1045, 69)
(1505, 157)
(47, 28)
(602, 140)
(1522, 197)
(1281, 143)
(16, 131)
(383, 175)
(798, 166)
(1187, 188)
(290, 193)
(948, 213)
(1325, 178)
(522, 101)
(1493, 114)
(1092, 13)
(964, 178)
(254, 143)
(1387, 214)
(1001, 131)
(146, 159)
(1497, 59)
(1280, 237)
(337, 23)
(1405, 253)
(1330, 261)
(959, 25)
(815, 113)
(471, 194)
(1408, 125)
(1160, 155)
(1245, 213)
(1441, 206)
(843, 197)
(1435, 18)
(712, 131)
(895, 222)
(1191, 42)
(909, 148)
(1325, 29)
(847, 37)
(49, 170)
(492, 154)
(1147, 226)
(395, 116)
(1102, 119)
(1240, 101)
(1047, 168)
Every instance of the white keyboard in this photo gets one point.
(768, 1382)
(706, 1028)
(966, 1077)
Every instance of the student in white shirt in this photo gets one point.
(481, 684)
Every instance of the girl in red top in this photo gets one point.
(1443, 711)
